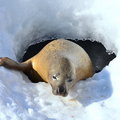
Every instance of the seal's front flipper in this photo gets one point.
(11, 64)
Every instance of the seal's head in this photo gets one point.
(61, 77)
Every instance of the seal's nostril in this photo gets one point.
(61, 89)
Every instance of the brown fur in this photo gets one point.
(61, 56)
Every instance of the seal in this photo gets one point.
(61, 63)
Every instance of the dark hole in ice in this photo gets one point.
(97, 52)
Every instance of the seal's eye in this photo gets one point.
(69, 80)
(54, 77)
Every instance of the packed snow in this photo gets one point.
(25, 22)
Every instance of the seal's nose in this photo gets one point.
(61, 90)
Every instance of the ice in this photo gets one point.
(24, 22)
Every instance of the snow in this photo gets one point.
(26, 21)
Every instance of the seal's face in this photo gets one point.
(61, 84)
(61, 77)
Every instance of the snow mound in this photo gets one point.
(24, 22)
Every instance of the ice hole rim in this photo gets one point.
(99, 55)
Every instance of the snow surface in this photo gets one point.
(27, 21)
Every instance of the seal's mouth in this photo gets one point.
(61, 91)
